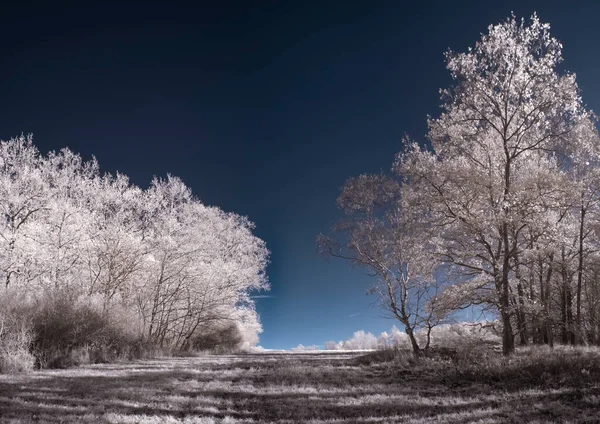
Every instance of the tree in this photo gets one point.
(116, 247)
(492, 170)
(24, 196)
(583, 154)
(176, 268)
(64, 233)
(378, 236)
(202, 263)
(332, 345)
(383, 340)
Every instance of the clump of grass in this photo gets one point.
(531, 365)
(392, 355)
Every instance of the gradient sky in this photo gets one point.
(262, 108)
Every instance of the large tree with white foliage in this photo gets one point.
(503, 199)
(496, 167)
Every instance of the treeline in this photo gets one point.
(91, 263)
(499, 208)
(457, 335)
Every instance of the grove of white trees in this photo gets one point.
(171, 267)
(461, 334)
(499, 208)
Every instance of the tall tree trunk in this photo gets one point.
(508, 339)
(578, 329)
(548, 335)
(521, 316)
(570, 326)
(539, 322)
(523, 334)
(564, 336)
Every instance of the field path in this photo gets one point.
(272, 387)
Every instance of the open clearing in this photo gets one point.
(308, 387)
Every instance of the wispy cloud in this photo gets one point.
(262, 296)
(353, 315)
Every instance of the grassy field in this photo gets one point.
(313, 388)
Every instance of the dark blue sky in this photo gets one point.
(263, 108)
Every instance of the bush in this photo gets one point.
(391, 355)
(61, 331)
(462, 335)
(218, 340)
(71, 333)
(15, 336)
(15, 340)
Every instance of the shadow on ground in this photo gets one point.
(282, 388)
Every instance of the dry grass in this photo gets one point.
(314, 388)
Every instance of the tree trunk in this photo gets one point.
(521, 316)
(539, 331)
(522, 319)
(413, 341)
(429, 327)
(564, 336)
(578, 329)
(548, 336)
(570, 327)
(508, 338)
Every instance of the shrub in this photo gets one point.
(15, 336)
(393, 355)
(218, 340)
(15, 340)
(530, 366)
(461, 335)
(71, 333)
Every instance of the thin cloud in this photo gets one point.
(262, 296)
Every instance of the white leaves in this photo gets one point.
(66, 227)
(515, 159)
(360, 340)
(509, 95)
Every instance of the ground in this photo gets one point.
(296, 388)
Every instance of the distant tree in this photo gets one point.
(361, 340)
(301, 348)
(445, 335)
(383, 340)
(397, 337)
(331, 345)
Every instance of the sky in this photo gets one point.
(263, 108)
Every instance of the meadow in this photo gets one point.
(536, 385)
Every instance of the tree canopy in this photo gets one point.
(506, 190)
